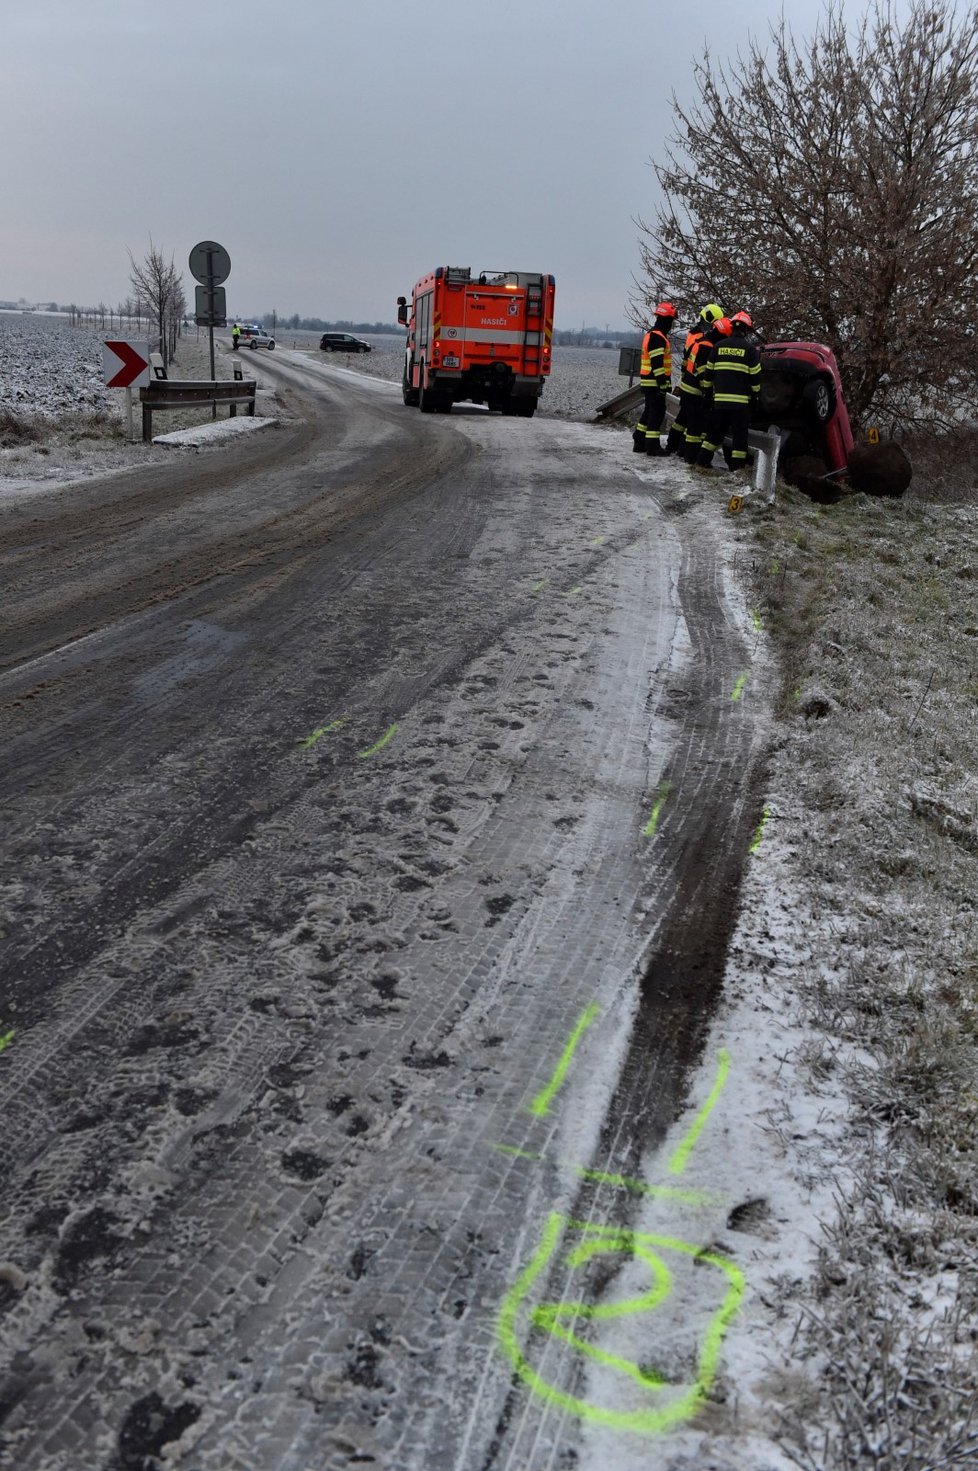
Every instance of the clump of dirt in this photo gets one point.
(880, 469)
(150, 1424)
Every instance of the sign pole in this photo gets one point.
(129, 413)
(210, 264)
(210, 283)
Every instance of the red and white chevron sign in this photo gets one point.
(125, 364)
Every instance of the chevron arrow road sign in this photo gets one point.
(125, 364)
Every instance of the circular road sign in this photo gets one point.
(210, 263)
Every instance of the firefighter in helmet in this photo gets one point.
(733, 376)
(235, 335)
(695, 386)
(655, 378)
(687, 390)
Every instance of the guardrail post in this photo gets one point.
(768, 447)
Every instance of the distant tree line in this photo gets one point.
(594, 337)
(584, 337)
(297, 323)
(156, 290)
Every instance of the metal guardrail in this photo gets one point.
(765, 442)
(177, 394)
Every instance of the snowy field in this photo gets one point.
(50, 368)
(846, 1126)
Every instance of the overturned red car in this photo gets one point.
(801, 393)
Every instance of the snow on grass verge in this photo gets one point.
(875, 806)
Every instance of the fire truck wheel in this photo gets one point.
(430, 401)
(409, 394)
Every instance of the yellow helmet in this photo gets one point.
(711, 313)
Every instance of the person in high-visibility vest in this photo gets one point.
(687, 390)
(695, 386)
(655, 378)
(733, 376)
(235, 334)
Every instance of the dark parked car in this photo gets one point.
(342, 342)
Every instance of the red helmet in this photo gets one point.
(723, 326)
(742, 319)
(665, 309)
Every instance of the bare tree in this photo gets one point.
(158, 290)
(831, 188)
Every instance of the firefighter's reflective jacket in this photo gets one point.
(655, 370)
(732, 372)
(695, 360)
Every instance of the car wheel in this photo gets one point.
(819, 398)
(777, 395)
(271, 345)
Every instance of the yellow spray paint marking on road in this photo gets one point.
(541, 1104)
(738, 688)
(681, 1155)
(317, 735)
(625, 1393)
(517, 1153)
(6, 1039)
(598, 541)
(678, 1193)
(547, 1316)
(662, 792)
(759, 831)
(572, 592)
(651, 1417)
(388, 735)
(756, 618)
(659, 1192)
(538, 586)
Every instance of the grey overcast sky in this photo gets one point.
(338, 149)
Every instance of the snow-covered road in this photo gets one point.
(378, 811)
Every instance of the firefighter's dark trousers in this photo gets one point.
(646, 437)
(697, 418)
(725, 420)
(676, 442)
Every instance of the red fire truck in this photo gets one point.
(485, 338)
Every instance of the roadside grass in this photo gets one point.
(37, 432)
(19, 429)
(872, 608)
